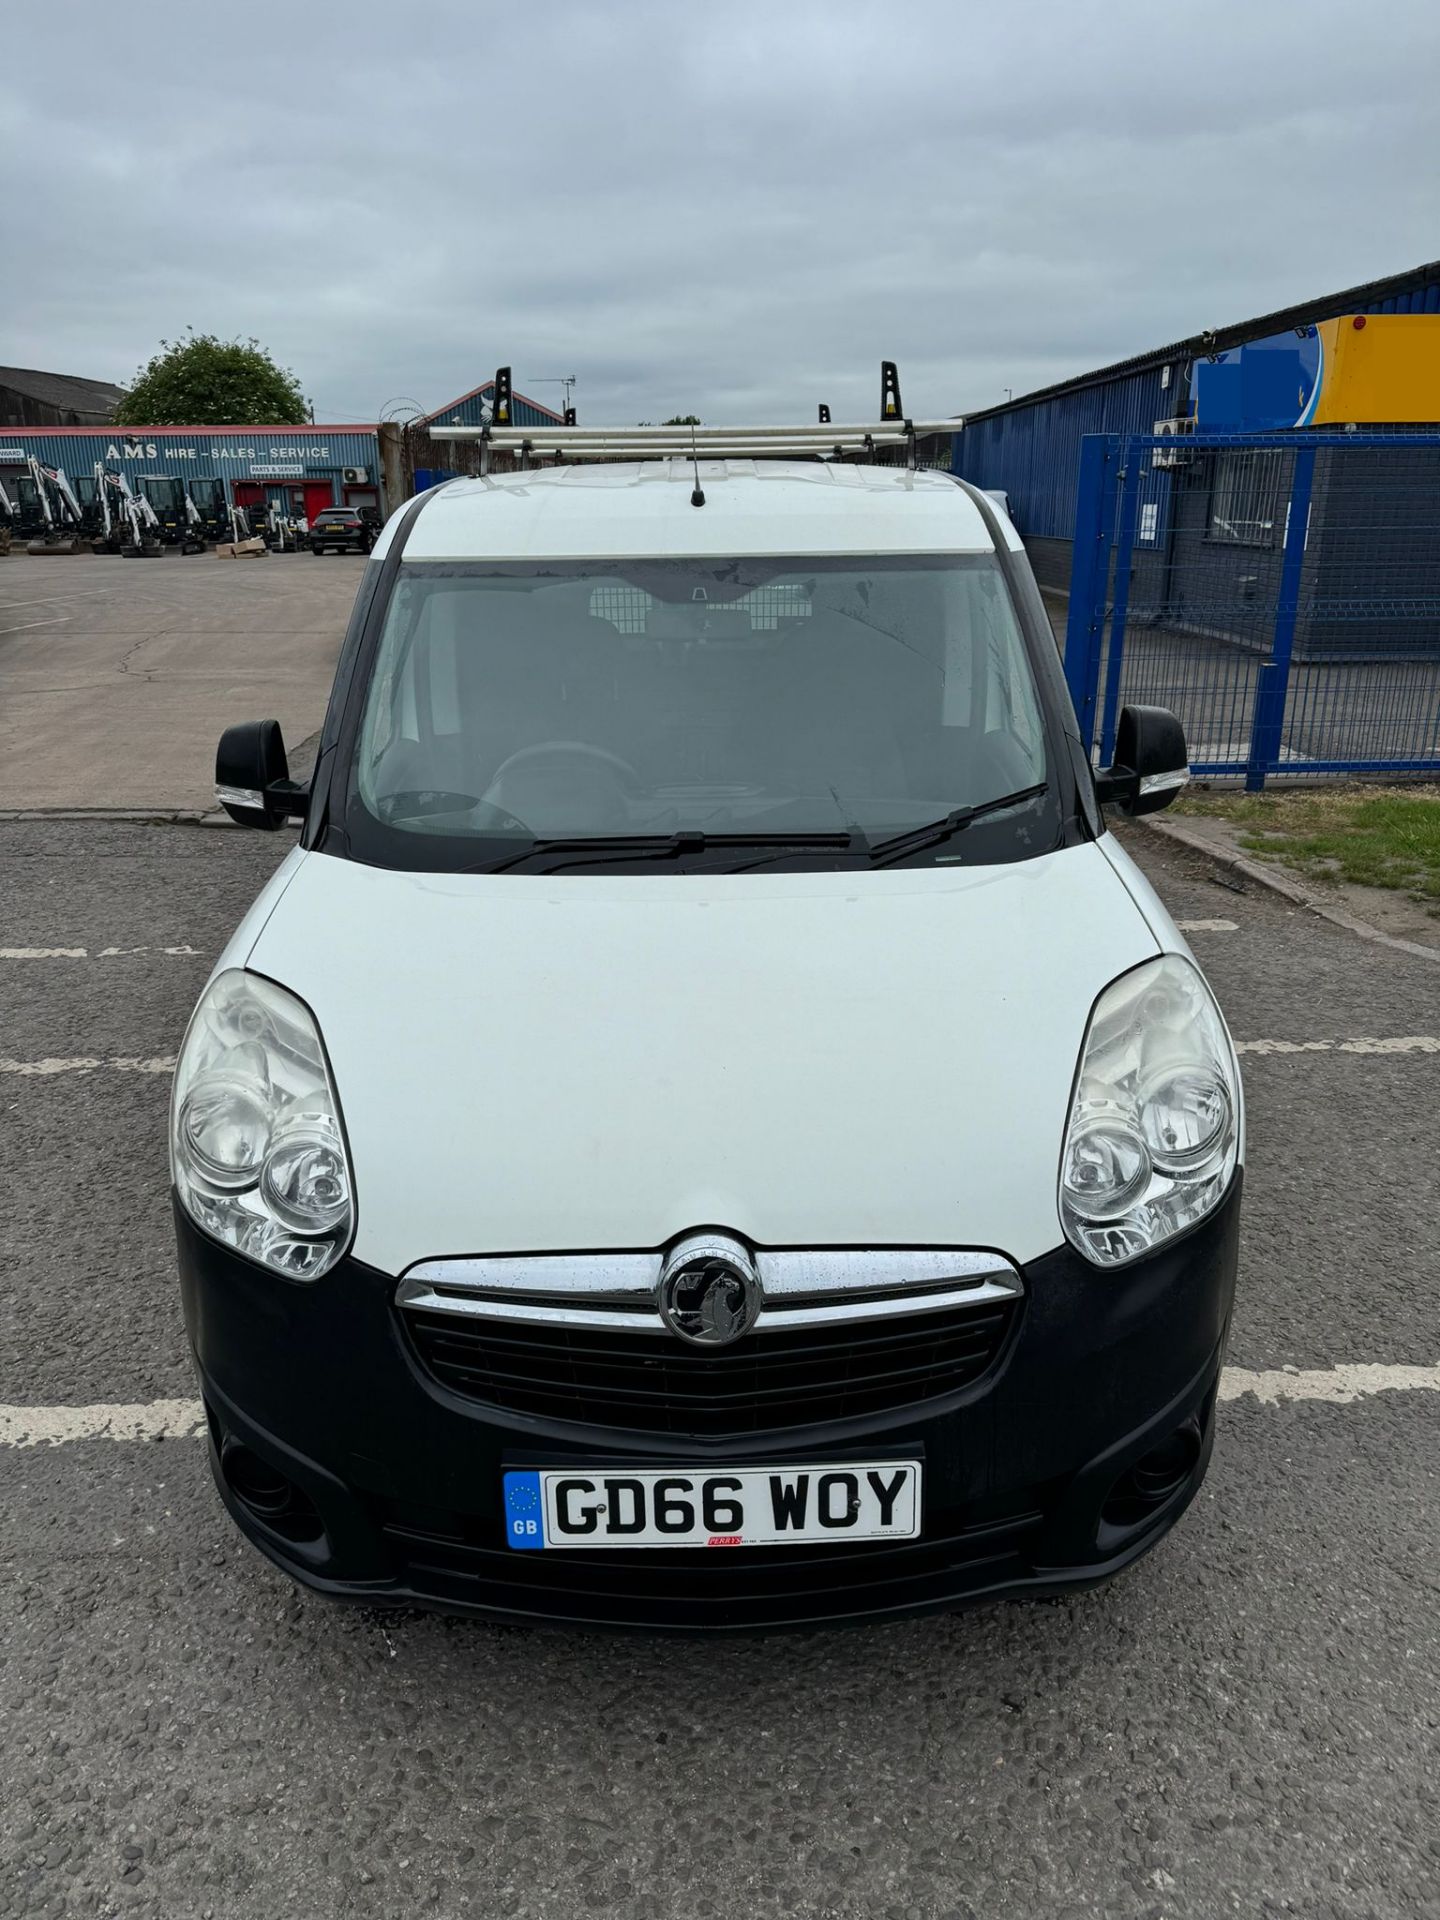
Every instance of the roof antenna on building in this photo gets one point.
(697, 498)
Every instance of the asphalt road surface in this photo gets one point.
(118, 676)
(1244, 1724)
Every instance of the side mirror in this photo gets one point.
(252, 777)
(1151, 764)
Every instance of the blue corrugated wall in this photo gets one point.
(1032, 450)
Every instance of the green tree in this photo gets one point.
(684, 420)
(203, 381)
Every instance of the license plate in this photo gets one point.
(689, 1507)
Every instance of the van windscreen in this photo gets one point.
(719, 697)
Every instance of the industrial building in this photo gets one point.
(473, 410)
(298, 469)
(1288, 369)
(29, 398)
(432, 459)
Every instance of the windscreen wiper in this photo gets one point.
(604, 849)
(882, 852)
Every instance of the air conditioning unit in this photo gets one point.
(355, 476)
(1170, 456)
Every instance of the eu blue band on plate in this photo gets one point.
(524, 1510)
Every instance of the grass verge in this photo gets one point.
(1355, 836)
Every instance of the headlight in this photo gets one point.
(257, 1153)
(1154, 1130)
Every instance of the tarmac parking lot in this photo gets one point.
(1246, 1723)
(117, 676)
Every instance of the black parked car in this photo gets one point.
(342, 529)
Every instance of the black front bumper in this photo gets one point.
(397, 1480)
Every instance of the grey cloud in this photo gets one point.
(737, 209)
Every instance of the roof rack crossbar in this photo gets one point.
(680, 440)
(570, 456)
(820, 437)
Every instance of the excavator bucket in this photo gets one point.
(66, 543)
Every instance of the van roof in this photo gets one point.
(641, 509)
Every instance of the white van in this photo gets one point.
(707, 1129)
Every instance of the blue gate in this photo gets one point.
(1281, 592)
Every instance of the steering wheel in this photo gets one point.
(413, 803)
(615, 773)
(526, 756)
(418, 803)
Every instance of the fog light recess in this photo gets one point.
(266, 1493)
(1154, 1479)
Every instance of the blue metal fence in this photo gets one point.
(1281, 592)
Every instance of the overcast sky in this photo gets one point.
(728, 208)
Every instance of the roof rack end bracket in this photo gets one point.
(890, 408)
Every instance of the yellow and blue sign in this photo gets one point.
(1361, 369)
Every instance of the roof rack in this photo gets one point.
(821, 440)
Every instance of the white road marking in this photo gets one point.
(53, 1426)
(56, 599)
(1337, 1385)
(188, 953)
(88, 1063)
(61, 620)
(1207, 926)
(165, 1063)
(84, 953)
(183, 1419)
(1403, 1043)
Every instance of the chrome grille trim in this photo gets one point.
(615, 1292)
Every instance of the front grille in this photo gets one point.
(453, 1557)
(654, 1384)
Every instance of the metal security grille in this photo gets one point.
(624, 607)
(762, 609)
(1248, 490)
(1280, 593)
